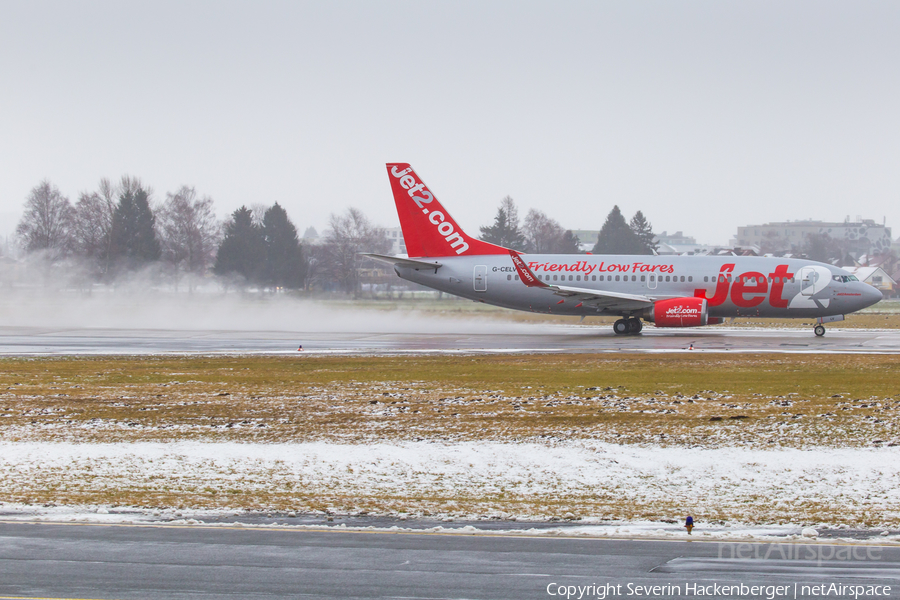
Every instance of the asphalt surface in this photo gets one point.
(544, 338)
(150, 562)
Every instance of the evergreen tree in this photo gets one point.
(644, 231)
(132, 241)
(284, 256)
(505, 231)
(243, 249)
(568, 243)
(616, 237)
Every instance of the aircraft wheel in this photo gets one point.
(820, 330)
(635, 325)
(621, 327)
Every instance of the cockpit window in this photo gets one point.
(845, 278)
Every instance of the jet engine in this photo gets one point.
(678, 312)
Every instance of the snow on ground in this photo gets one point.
(476, 479)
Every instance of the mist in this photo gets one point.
(45, 299)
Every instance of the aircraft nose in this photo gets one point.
(872, 295)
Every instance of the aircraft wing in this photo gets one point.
(598, 298)
(403, 262)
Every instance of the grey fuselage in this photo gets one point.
(735, 286)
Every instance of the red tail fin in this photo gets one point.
(428, 228)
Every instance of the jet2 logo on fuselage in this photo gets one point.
(749, 289)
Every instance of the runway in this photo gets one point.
(26, 341)
(174, 563)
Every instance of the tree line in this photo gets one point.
(540, 234)
(118, 229)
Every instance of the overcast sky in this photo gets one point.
(705, 115)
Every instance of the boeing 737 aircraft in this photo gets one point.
(668, 291)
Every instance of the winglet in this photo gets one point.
(528, 278)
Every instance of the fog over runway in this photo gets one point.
(150, 562)
(51, 341)
(136, 322)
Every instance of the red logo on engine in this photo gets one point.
(680, 312)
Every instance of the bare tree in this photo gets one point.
(542, 233)
(189, 232)
(93, 220)
(259, 210)
(350, 234)
(47, 223)
(128, 185)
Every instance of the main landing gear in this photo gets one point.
(820, 330)
(628, 326)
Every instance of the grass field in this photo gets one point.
(710, 399)
(637, 437)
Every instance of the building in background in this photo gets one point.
(678, 243)
(863, 236)
(876, 277)
(395, 235)
(587, 238)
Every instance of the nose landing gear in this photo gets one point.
(628, 326)
(820, 323)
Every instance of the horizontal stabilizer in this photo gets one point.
(409, 263)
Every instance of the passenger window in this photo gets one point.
(609, 277)
(682, 279)
(643, 278)
(517, 277)
(578, 278)
(570, 277)
(653, 278)
(667, 278)
(706, 279)
(593, 278)
(554, 278)
(509, 277)
(690, 277)
(617, 277)
(634, 277)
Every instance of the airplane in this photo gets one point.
(668, 291)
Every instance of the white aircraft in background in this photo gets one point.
(668, 291)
